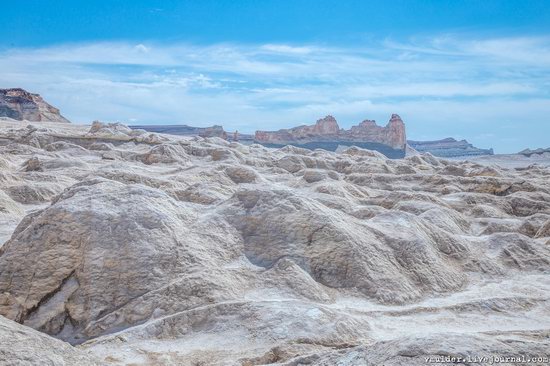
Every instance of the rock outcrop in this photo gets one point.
(326, 130)
(392, 135)
(21, 105)
(143, 230)
(448, 148)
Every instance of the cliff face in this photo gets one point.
(21, 105)
(392, 135)
(327, 129)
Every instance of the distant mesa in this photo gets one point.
(539, 151)
(184, 130)
(448, 148)
(326, 134)
(19, 104)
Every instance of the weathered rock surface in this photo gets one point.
(141, 230)
(152, 249)
(444, 349)
(23, 346)
(21, 105)
(327, 130)
(448, 148)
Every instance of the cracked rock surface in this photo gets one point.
(150, 249)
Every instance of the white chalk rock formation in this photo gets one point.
(155, 249)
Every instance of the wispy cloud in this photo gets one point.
(534, 51)
(445, 85)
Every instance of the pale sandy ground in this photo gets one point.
(146, 249)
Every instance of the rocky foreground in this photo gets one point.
(149, 249)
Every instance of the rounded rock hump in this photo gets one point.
(72, 269)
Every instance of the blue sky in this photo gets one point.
(478, 70)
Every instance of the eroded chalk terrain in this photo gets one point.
(150, 249)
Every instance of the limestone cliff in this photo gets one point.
(327, 129)
(21, 105)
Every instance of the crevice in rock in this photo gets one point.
(28, 312)
(312, 234)
(333, 345)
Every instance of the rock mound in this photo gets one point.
(115, 251)
(280, 224)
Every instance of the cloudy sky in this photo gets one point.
(466, 69)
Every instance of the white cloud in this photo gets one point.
(142, 48)
(533, 51)
(286, 49)
(437, 84)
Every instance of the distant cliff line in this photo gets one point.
(327, 129)
(326, 134)
(390, 140)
